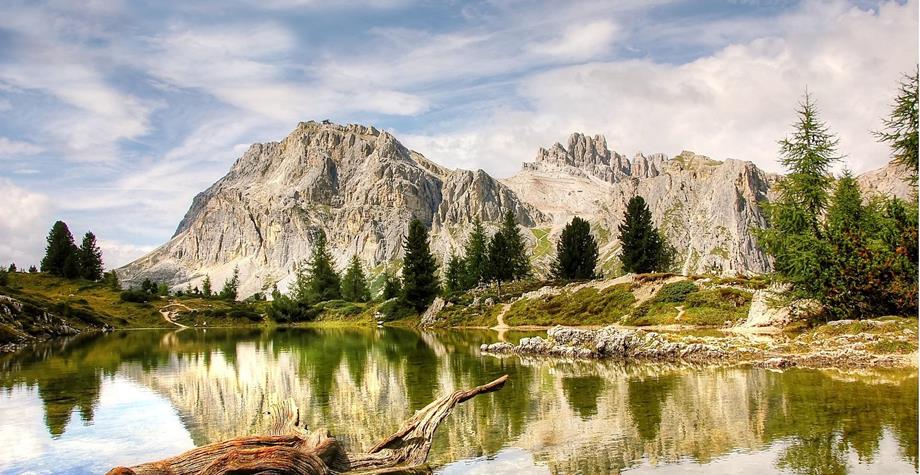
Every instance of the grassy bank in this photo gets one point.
(646, 300)
(84, 305)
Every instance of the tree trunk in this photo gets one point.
(289, 449)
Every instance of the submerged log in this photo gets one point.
(289, 449)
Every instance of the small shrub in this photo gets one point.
(676, 291)
(134, 296)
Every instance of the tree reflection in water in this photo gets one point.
(592, 417)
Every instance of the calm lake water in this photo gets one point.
(86, 404)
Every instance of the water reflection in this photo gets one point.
(557, 417)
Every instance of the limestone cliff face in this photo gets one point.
(357, 184)
(888, 180)
(707, 209)
(361, 186)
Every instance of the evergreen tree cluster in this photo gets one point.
(63, 258)
(857, 256)
(499, 258)
(316, 281)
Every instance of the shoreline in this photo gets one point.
(613, 342)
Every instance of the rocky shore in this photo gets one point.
(870, 343)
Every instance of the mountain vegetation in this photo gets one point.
(643, 247)
(576, 252)
(857, 256)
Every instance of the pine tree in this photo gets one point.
(576, 252)
(846, 212)
(322, 281)
(12, 267)
(794, 238)
(419, 272)
(641, 244)
(111, 278)
(518, 262)
(71, 268)
(231, 287)
(454, 275)
(808, 156)
(60, 246)
(33, 269)
(507, 255)
(476, 257)
(901, 125)
(354, 283)
(206, 287)
(392, 287)
(91, 267)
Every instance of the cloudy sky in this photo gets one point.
(114, 114)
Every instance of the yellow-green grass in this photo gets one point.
(470, 315)
(587, 306)
(65, 297)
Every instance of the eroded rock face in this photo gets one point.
(888, 180)
(707, 209)
(357, 184)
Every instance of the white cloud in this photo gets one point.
(248, 66)
(25, 217)
(735, 103)
(116, 254)
(50, 58)
(16, 148)
(579, 42)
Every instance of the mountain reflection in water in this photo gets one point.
(90, 402)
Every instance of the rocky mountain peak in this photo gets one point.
(584, 156)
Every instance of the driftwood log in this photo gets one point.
(288, 449)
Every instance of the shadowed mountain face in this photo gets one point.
(586, 417)
(361, 187)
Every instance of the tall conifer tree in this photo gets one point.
(354, 282)
(794, 238)
(323, 281)
(476, 257)
(641, 244)
(91, 266)
(60, 246)
(454, 275)
(901, 125)
(576, 252)
(419, 273)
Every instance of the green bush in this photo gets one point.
(394, 309)
(245, 313)
(676, 291)
(4, 278)
(134, 296)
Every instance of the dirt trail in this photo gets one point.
(170, 316)
(501, 318)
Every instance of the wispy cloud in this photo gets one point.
(115, 114)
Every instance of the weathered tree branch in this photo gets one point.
(288, 449)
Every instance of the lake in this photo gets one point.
(86, 404)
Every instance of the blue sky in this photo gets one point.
(114, 114)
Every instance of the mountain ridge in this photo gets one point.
(361, 186)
